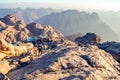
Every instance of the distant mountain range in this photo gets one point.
(72, 21)
(28, 15)
(69, 22)
(111, 18)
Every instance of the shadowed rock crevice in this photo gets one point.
(87, 59)
(73, 77)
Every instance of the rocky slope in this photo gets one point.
(69, 62)
(72, 21)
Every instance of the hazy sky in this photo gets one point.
(75, 4)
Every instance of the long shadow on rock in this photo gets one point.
(72, 77)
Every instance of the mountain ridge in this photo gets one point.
(71, 22)
(28, 15)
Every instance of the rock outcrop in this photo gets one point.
(113, 48)
(88, 39)
(92, 39)
(10, 19)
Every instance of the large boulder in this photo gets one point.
(88, 39)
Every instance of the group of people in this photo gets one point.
(43, 44)
(40, 44)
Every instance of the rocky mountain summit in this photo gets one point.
(65, 61)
